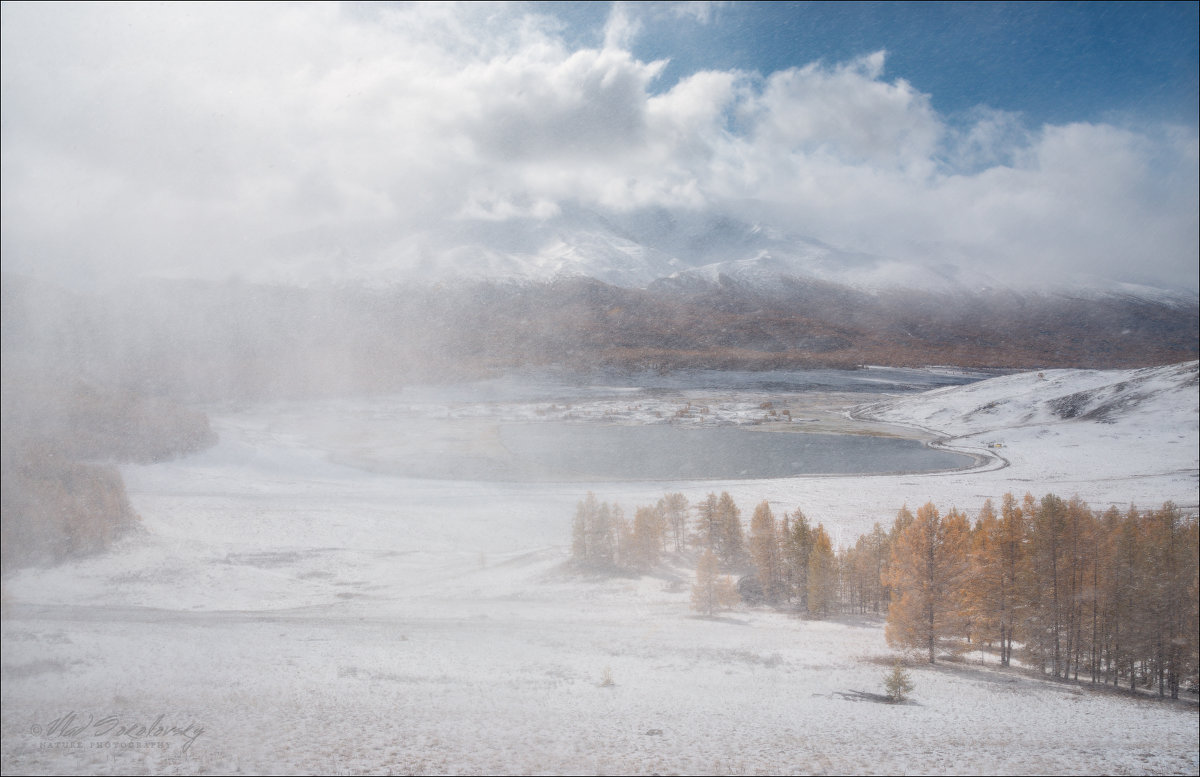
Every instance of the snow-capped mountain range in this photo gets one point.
(668, 249)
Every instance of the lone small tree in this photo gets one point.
(897, 683)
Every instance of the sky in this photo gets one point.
(1034, 143)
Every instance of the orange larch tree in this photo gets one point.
(927, 573)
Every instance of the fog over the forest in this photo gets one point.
(325, 142)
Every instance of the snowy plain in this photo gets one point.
(295, 603)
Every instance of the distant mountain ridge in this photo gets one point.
(197, 339)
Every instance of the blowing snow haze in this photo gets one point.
(371, 371)
(932, 147)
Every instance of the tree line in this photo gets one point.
(781, 562)
(1109, 597)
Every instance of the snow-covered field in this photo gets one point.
(293, 605)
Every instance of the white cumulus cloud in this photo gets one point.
(214, 139)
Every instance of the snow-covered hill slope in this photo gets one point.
(1153, 399)
(1109, 436)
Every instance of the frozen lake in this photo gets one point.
(547, 427)
(583, 452)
